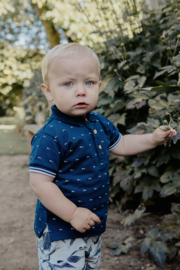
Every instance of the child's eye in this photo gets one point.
(68, 84)
(89, 83)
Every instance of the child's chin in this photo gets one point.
(80, 112)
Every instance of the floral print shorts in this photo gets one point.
(80, 253)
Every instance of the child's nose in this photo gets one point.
(81, 91)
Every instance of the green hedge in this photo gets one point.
(140, 91)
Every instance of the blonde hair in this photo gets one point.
(63, 51)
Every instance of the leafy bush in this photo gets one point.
(131, 94)
(140, 91)
(17, 66)
(34, 102)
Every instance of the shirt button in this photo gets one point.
(86, 119)
(95, 131)
(100, 147)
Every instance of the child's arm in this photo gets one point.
(53, 199)
(135, 144)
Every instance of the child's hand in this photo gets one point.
(83, 219)
(161, 136)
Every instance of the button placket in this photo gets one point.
(97, 140)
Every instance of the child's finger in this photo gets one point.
(92, 223)
(163, 128)
(172, 134)
(96, 219)
(87, 227)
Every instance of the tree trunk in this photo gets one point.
(52, 35)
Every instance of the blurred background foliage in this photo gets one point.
(30, 28)
(138, 46)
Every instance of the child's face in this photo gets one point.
(73, 85)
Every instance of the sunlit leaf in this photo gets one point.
(145, 245)
(131, 218)
(137, 174)
(172, 182)
(123, 247)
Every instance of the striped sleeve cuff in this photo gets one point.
(116, 143)
(42, 171)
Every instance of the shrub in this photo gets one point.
(140, 91)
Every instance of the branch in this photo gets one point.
(52, 35)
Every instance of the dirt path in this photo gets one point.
(17, 238)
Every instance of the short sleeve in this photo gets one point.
(45, 156)
(115, 135)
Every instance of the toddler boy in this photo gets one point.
(69, 163)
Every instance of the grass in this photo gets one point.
(12, 143)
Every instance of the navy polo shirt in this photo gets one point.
(75, 152)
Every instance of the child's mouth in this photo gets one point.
(81, 105)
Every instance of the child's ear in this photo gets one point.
(46, 92)
(100, 84)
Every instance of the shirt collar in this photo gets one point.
(73, 120)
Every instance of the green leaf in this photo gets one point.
(171, 222)
(165, 69)
(147, 193)
(117, 252)
(121, 120)
(166, 177)
(163, 84)
(104, 101)
(145, 245)
(110, 85)
(173, 182)
(139, 171)
(123, 246)
(129, 86)
(117, 118)
(114, 117)
(147, 185)
(121, 64)
(141, 81)
(132, 103)
(153, 233)
(158, 254)
(99, 110)
(111, 170)
(131, 218)
(126, 183)
(117, 105)
(172, 98)
(165, 89)
(118, 176)
(159, 73)
(152, 170)
(141, 160)
(163, 158)
(143, 128)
